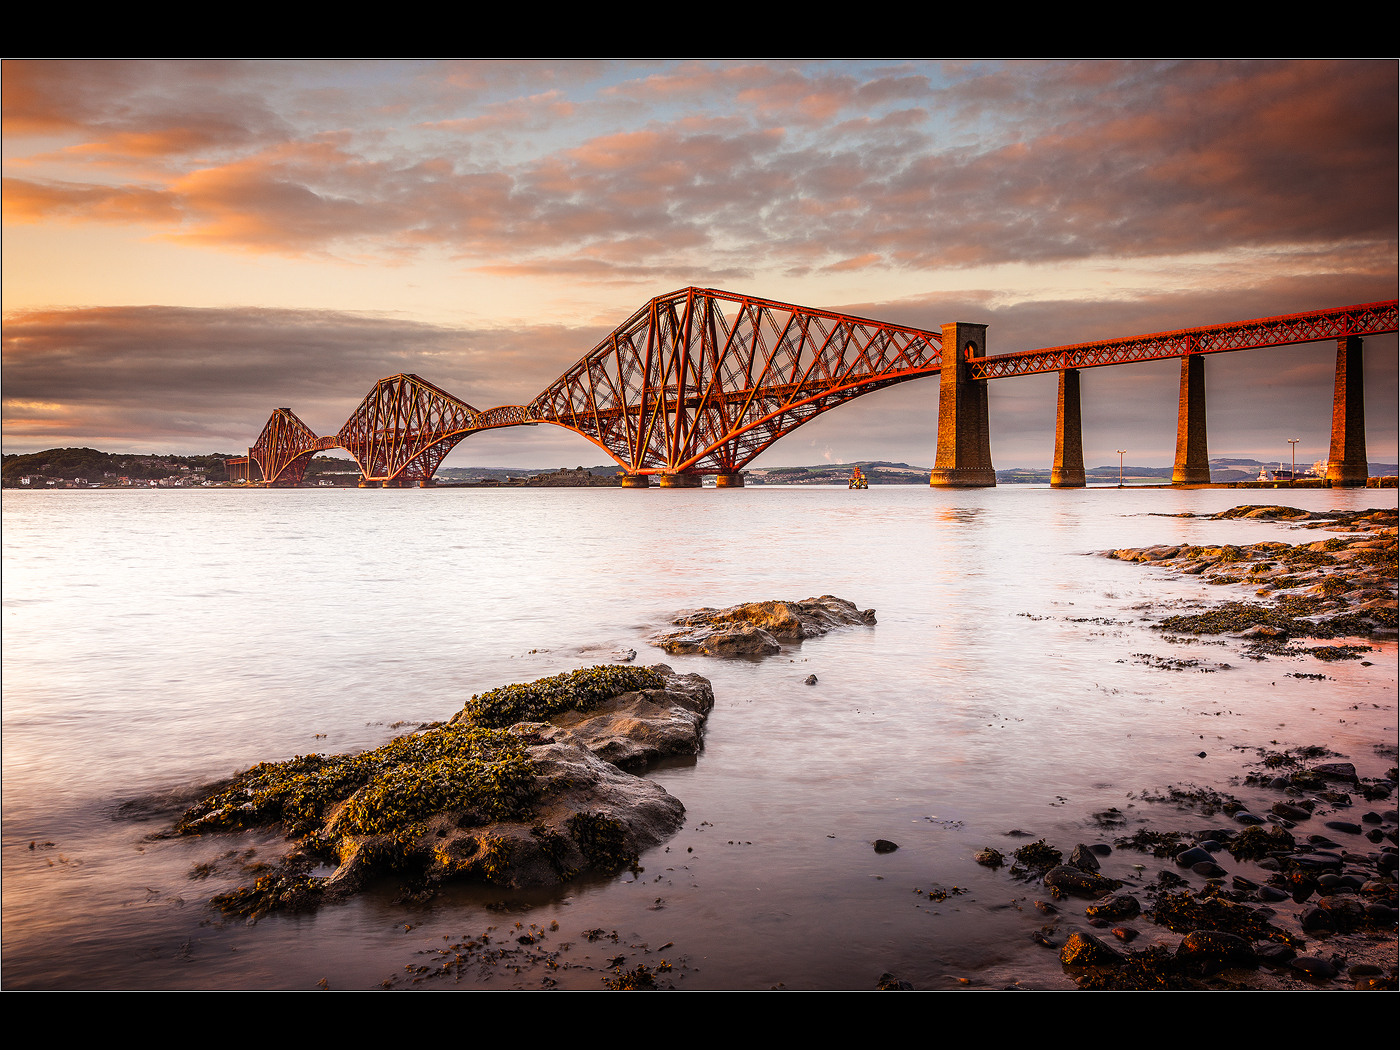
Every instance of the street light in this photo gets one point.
(1121, 453)
(1293, 476)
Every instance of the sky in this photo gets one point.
(188, 245)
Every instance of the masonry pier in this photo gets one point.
(1192, 466)
(1067, 472)
(729, 481)
(1346, 462)
(681, 481)
(964, 459)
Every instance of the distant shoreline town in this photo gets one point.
(85, 468)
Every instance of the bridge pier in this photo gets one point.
(964, 458)
(1346, 462)
(636, 481)
(1067, 472)
(1192, 466)
(729, 481)
(681, 481)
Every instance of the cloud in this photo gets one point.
(765, 166)
(197, 378)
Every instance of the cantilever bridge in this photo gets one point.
(702, 381)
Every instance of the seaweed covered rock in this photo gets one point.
(1072, 881)
(758, 628)
(489, 795)
(1084, 949)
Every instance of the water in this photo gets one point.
(157, 640)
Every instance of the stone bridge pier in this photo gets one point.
(964, 458)
(1346, 460)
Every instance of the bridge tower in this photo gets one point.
(1067, 472)
(1192, 466)
(1346, 463)
(964, 458)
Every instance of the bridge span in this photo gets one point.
(702, 381)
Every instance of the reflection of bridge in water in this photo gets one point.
(702, 381)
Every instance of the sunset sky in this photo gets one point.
(191, 244)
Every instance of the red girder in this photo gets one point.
(404, 428)
(282, 449)
(684, 386)
(1366, 319)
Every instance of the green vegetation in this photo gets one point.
(575, 691)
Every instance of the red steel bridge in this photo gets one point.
(702, 381)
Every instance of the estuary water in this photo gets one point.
(155, 641)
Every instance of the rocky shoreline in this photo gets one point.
(1309, 899)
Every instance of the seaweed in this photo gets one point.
(1182, 913)
(536, 701)
(1037, 857)
(1154, 969)
(1157, 843)
(603, 841)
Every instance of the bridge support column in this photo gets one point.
(427, 483)
(964, 459)
(636, 481)
(1192, 466)
(1067, 472)
(1346, 462)
(729, 481)
(680, 481)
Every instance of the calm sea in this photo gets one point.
(158, 640)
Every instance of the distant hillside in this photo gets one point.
(89, 463)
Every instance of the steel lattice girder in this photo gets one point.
(283, 449)
(404, 428)
(1366, 319)
(683, 385)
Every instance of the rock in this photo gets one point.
(1084, 949)
(989, 858)
(637, 728)
(1314, 966)
(758, 627)
(732, 641)
(1082, 857)
(1115, 908)
(1209, 869)
(594, 815)
(1336, 771)
(811, 679)
(1191, 856)
(889, 983)
(522, 803)
(1274, 953)
(885, 846)
(1215, 950)
(1080, 883)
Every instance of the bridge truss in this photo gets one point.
(702, 381)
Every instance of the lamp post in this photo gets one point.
(1293, 475)
(1121, 453)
